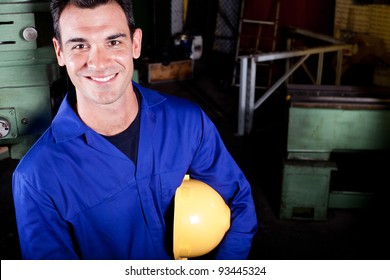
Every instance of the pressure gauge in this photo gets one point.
(5, 127)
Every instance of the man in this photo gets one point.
(101, 180)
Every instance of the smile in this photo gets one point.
(102, 79)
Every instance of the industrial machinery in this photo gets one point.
(324, 123)
(28, 67)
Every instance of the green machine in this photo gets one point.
(28, 67)
(324, 121)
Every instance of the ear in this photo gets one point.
(137, 41)
(57, 49)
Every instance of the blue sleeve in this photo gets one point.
(43, 234)
(214, 165)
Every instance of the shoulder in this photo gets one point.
(35, 160)
(167, 103)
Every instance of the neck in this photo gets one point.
(109, 119)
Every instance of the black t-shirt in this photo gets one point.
(127, 140)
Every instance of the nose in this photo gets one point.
(98, 58)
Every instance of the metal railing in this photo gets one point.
(247, 103)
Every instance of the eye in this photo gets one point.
(80, 47)
(114, 43)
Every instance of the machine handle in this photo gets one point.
(30, 34)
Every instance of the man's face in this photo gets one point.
(98, 52)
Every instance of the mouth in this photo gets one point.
(103, 79)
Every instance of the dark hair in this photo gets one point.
(57, 6)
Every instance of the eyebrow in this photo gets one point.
(82, 40)
(116, 36)
(75, 40)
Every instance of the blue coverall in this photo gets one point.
(78, 197)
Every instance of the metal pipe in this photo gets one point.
(280, 81)
(319, 68)
(289, 54)
(251, 97)
(339, 67)
(247, 106)
(258, 21)
(309, 74)
(314, 35)
(242, 95)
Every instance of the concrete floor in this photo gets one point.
(345, 234)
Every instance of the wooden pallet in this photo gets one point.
(175, 71)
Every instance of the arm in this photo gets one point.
(214, 165)
(43, 234)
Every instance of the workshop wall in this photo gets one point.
(154, 17)
(314, 15)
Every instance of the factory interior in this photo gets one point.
(298, 89)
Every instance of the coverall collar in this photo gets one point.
(67, 125)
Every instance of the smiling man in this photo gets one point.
(101, 180)
(97, 48)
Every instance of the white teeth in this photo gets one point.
(105, 79)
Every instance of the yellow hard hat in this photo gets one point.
(201, 219)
